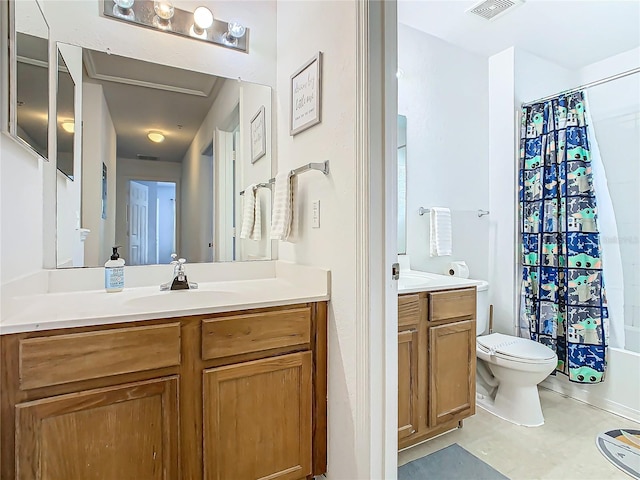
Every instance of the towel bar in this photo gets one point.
(320, 166)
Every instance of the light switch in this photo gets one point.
(315, 214)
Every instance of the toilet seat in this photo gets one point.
(514, 349)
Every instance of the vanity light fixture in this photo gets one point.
(68, 126)
(155, 136)
(161, 15)
(202, 19)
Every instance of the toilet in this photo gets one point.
(508, 370)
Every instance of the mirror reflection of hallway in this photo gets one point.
(151, 222)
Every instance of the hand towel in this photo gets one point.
(251, 220)
(441, 243)
(282, 212)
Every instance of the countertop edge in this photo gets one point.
(138, 317)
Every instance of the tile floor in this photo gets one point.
(563, 448)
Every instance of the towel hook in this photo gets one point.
(481, 213)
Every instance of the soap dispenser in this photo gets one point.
(114, 273)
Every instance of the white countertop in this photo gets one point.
(413, 281)
(290, 284)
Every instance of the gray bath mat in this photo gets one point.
(450, 463)
(622, 448)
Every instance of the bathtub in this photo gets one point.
(620, 391)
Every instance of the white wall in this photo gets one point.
(444, 95)
(302, 32)
(81, 23)
(99, 147)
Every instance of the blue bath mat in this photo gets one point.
(450, 463)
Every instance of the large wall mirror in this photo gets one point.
(65, 119)
(165, 154)
(29, 76)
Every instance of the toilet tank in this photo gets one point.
(482, 308)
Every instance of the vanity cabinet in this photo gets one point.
(229, 395)
(436, 362)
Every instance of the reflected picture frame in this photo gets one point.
(258, 136)
(306, 96)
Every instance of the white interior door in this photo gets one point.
(138, 223)
(223, 192)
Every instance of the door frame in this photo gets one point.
(376, 303)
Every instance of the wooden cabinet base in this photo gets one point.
(426, 435)
(222, 395)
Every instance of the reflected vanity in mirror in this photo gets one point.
(65, 119)
(402, 184)
(165, 155)
(29, 76)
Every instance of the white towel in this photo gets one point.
(282, 212)
(440, 232)
(251, 220)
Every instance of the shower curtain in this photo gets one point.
(563, 297)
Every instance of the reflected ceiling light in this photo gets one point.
(235, 30)
(202, 19)
(155, 136)
(68, 126)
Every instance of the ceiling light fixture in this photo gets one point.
(155, 136)
(68, 126)
(161, 15)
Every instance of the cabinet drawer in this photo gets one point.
(69, 358)
(240, 334)
(453, 304)
(408, 310)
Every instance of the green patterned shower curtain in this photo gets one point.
(563, 296)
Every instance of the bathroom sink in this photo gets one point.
(179, 299)
(411, 281)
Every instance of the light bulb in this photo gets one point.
(164, 9)
(68, 126)
(236, 29)
(203, 18)
(155, 136)
(124, 4)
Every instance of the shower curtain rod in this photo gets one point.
(586, 85)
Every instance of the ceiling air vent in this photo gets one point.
(146, 157)
(492, 9)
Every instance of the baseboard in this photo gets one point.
(570, 390)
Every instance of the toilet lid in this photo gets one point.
(515, 347)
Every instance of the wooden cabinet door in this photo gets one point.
(123, 432)
(452, 372)
(257, 419)
(407, 383)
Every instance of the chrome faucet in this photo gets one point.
(179, 280)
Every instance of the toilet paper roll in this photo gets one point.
(458, 269)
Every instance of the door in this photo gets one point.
(138, 223)
(223, 192)
(257, 419)
(407, 383)
(124, 432)
(452, 371)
